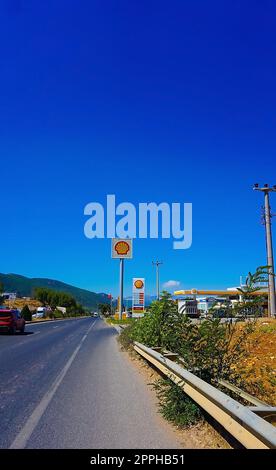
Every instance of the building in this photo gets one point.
(9, 295)
(204, 304)
(188, 307)
(207, 299)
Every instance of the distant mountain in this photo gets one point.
(24, 287)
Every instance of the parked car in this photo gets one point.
(11, 321)
(41, 312)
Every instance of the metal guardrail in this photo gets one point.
(241, 422)
(255, 401)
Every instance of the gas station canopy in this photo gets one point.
(217, 293)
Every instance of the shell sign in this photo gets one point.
(121, 248)
(139, 284)
(138, 297)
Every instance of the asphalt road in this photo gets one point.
(67, 385)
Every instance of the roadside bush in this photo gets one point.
(175, 405)
(127, 336)
(58, 314)
(210, 349)
(26, 313)
(150, 330)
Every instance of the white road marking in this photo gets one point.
(55, 327)
(24, 435)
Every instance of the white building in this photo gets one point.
(9, 295)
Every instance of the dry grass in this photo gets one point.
(259, 367)
(19, 303)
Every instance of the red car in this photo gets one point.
(11, 321)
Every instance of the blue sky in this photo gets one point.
(150, 101)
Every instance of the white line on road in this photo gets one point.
(23, 436)
(55, 327)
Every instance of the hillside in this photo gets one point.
(24, 287)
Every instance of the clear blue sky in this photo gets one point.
(151, 101)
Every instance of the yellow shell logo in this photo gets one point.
(138, 284)
(122, 248)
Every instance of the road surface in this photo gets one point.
(66, 385)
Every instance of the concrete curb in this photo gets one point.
(118, 328)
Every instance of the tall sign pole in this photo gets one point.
(121, 288)
(269, 247)
(121, 248)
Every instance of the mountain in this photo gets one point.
(24, 287)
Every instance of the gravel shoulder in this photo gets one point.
(200, 436)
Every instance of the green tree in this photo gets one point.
(104, 309)
(55, 299)
(252, 297)
(41, 294)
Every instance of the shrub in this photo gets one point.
(210, 349)
(26, 313)
(175, 405)
(58, 314)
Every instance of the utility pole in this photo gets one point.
(266, 189)
(157, 264)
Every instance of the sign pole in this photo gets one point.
(121, 288)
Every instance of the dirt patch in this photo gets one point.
(259, 367)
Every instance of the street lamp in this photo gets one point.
(266, 189)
